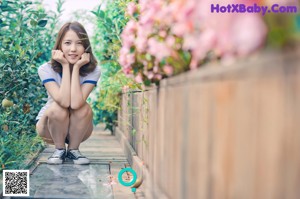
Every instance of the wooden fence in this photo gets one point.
(218, 132)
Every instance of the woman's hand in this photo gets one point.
(58, 56)
(85, 58)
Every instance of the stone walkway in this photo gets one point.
(97, 180)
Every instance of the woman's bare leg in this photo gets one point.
(58, 123)
(81, 125)
(43, 130)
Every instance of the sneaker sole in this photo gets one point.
(78, 162)
(55, 162)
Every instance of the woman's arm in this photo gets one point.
(79, 94)
(61, 94)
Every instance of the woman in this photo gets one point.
(69, 79)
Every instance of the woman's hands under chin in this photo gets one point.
(85, 58)
(58, 56)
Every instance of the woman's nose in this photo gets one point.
(73, 47)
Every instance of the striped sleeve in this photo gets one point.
(46, 73)
(93, 77)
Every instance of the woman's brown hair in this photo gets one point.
(81, 33)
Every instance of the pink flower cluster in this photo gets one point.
(168, 38)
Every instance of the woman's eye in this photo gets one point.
(67, 43)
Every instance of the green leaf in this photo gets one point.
(33, 22)
(28, 31)
(6, 9)
(148, 57)
(147, 82)
(42, 23)
(163, 62)
(27, 3)
(297, 22)
(95, 13)
(132, 49)
(101, 14)
(2, 25)
(4, 4)
(133, 132)
(41, 16)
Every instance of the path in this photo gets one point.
(97, 180)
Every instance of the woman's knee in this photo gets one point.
(39, 129)
(56, 112)
(83, 112)
(43, 133)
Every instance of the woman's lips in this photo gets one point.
(73, 56)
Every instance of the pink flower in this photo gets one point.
(179, 29)
(193, 64)
(127, 70)
(166, 28)
(201, 45)
(168, 70)
(130, 27)
(170, 41)
(155, 69)
(165, 16)
(143, 5)
(145, 29)
(190, 41)
(139, 78)
(123, 56)
(158, 49)
(141, 44)
(249, 33)
(158, 76)
(185, 10)
(130, 58)
(149, 14)
(131, 8)
(162, 33)
(150, 75)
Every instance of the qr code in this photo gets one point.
(15, 182)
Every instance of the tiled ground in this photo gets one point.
(97, 180)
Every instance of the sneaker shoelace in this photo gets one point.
(76, 153)
(58, 153)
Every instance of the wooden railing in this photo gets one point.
(218, 132)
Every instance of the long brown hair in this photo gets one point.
(82, 34)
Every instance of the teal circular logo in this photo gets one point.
(127, 184)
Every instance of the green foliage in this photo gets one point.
(283, 30)
(26, 39)
(15, 149)
(297, 23)
(109, 26)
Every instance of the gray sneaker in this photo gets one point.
(77, 157)
(57, 157)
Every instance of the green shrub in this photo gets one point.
(283, 30)
(26, 39)
(109, 25)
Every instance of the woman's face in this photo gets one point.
(72, 47)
